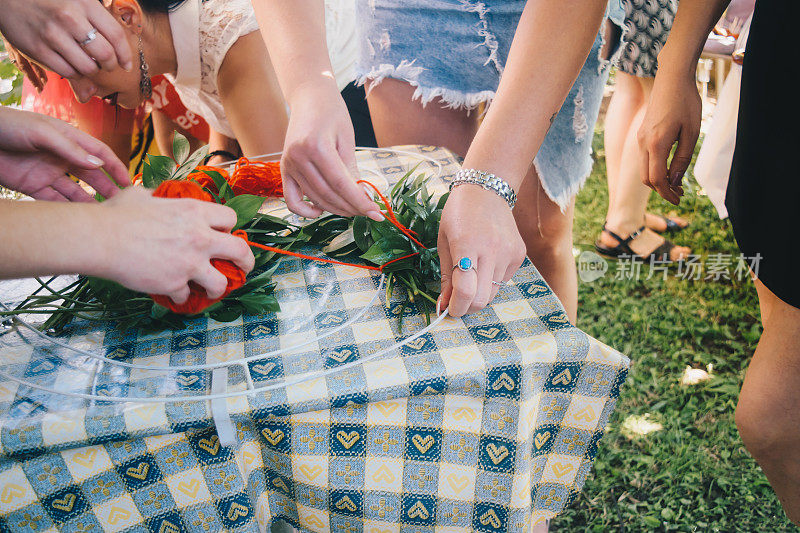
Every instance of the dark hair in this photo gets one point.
(160, 6)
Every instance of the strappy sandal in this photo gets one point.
(672, 226)
(662, 253)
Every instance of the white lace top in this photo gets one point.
(204, 31)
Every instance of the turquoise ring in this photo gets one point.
(464, 264)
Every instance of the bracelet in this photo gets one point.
(489, 182)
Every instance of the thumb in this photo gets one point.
(682, 157)
(446, 269)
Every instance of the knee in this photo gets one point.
(764, 431)
(549, 237)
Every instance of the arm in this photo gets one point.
(319, 151)
(166, 242)
(532, 90)
(252, 98)
(675, 109)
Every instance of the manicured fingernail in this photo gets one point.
(128, 65)
(439, 307)
(676, 178)
(377, 216)
(93, 160)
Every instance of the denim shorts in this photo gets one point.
(456, 50)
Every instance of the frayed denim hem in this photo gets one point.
(408, 72)
(563, 197)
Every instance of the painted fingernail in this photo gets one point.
(93, 160)
(676, 178)
(376, 216)
(439, 307)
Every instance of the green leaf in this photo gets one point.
(222, 184)
(162, 167)
(147, 177)
(227, 313)
(191, 163)
(246, 207)
(377, 255)
(180, 148)
(344, 239)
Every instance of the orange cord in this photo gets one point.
(391, 217)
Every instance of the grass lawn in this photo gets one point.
(694, 474)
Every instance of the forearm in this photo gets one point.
(253, 102)
(534, 84)
(294, 33)
(693, 21)
(41, 238)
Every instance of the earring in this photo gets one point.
(145, 85)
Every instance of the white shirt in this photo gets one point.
(203, 32)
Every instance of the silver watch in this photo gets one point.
(490, 182)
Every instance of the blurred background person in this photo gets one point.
(629, 230)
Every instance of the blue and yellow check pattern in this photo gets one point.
(486, 424)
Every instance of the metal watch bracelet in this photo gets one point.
(490, 182)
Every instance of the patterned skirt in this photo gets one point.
(647, 25)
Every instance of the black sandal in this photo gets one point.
(672, 226)
(662, 253)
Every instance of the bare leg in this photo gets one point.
(767, 415)
(628, 196)
(547, 231)
(398, 120)
(627, 100)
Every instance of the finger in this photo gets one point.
(446, 269)
(294, 199)
(235, 249)
(218, 216)
(98, 180)
(111, 32)
(180, 297)
(339, 178)
(657, 160)
(465, 284)
(48, 194)
(71, 190)
(71, 50)
(62, 145)
(57, 64)
(108, 159)
(212, 280)
(102, 52)
(682, 157)
(644, 163)
(483, 289)
(347, 152)
(506, 275)
(320, 192)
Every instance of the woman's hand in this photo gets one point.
(477, 224)
(37, 152)
(673, 114)
(319, 156)
(52, 33)
(158, 245)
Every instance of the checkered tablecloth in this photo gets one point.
(488, 423)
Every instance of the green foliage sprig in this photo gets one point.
(96, 299)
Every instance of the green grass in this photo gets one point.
(694, 474)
